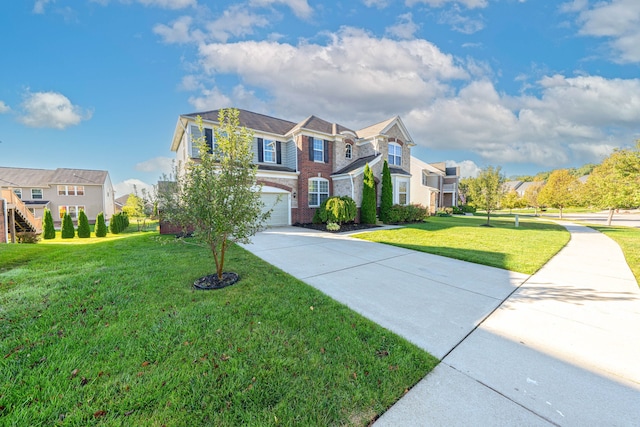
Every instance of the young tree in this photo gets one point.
(369, 198)
(386, 197)
(49, 229)
(560, 190)
(84, 230)
(215, 196)
(487, 189)
(101, 226)
(511, 200)
(615, 183)
(134, 207)
(68, 232)
(531, 195)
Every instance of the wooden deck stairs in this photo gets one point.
(20, 219)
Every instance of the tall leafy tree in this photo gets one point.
(487, 189)
(215, 195)
(511, 200)
(49, 230)
(560, 190)
(531, 195)
(369, 198)
(615, 184)
(68, 231)
(84, 230)
(386, 197)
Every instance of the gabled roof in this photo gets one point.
(383, 127)
(317, 124)
(25, 177)
(251, 120)
(357, 164)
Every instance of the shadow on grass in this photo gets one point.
(491, 259)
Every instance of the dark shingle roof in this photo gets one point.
(275, 168)
(252, 120)
(358, 163)
(398, 171)
(24, 177)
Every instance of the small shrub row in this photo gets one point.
(27, 237)
(119, 223)
(336, 210)
(407, 213)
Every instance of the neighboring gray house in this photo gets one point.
(61, 191)
(434, 185)
(301, 164)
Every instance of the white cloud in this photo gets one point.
(470, 4)
(129, 186)
(39, 6)
(236, 21)
(51, 110)
(459, 22)
(616, 20)
(404, 28)
(4, 108)
(157, 164)
(165, 4)
(177, 32)
(468, 168)
(380, 4)
(300, 8)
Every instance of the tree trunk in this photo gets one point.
(610, 217)
(488, 214)
(561, 212)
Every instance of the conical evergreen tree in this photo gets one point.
(83, 226)
(68, 231)
(49, 230)
(368, 206)
(386, 198)
(101, 226)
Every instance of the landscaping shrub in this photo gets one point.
(467, 209)
(83, 226)
(369, 202)
(68, 232)
(386, 198)
(337, 209)
(409, 213)
(49, 230)
(456, 210)
(101, 226)
(119, 222)
(442, 212)
(27, 237)
(332, 226)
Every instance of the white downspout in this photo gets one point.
(353, 196)
(6, 220)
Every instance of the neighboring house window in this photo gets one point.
(269, 151)
(348, 151)
(318, 150)
(71, 210)
(402, 192)
(36, 193)
(195, 134)
(32, 210)
(70, 190)
(395, 154)
(318, 191)
(18, 192)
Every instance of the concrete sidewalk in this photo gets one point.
(563, 349)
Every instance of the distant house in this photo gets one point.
(27, 192)
(434, 185)
(302, 164)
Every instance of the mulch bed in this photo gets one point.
(212, 282)
(343, 228)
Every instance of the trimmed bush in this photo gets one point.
(119, 222)
(49, 230)
(409, 213)
(332, 226)
(68, 231)
(369, 198)
(386, 198)
(467, 209)
(337, 209)
(83, 226)
(101, 226)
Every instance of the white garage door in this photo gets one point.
(280, 208)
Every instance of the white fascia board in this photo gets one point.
(181, 128)
(277, 174)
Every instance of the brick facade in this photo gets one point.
(309, 169)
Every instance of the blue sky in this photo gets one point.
(528, 85)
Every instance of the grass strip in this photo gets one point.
(628, 239)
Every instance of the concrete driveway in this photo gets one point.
(561, 347)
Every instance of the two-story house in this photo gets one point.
(60, 190)
(434, 185)
(302, 164)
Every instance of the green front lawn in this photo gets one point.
(524, 249)
(629, 240)
(111, 333)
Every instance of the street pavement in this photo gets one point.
(558, 348)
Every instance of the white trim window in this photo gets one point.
(195, 134)
(348, 151)
(395, 154)
(18, 192)
(36, 193)
(401, 191)
(70, 190)
(71, 210)
(269, 151)
(318, 191)
(318, 150)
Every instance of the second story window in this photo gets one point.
(269, 151)
(318, 150)
(36, 193)
(395, 154)
(348, 151)
(70, 190)
(18, 192)
(195, 134)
